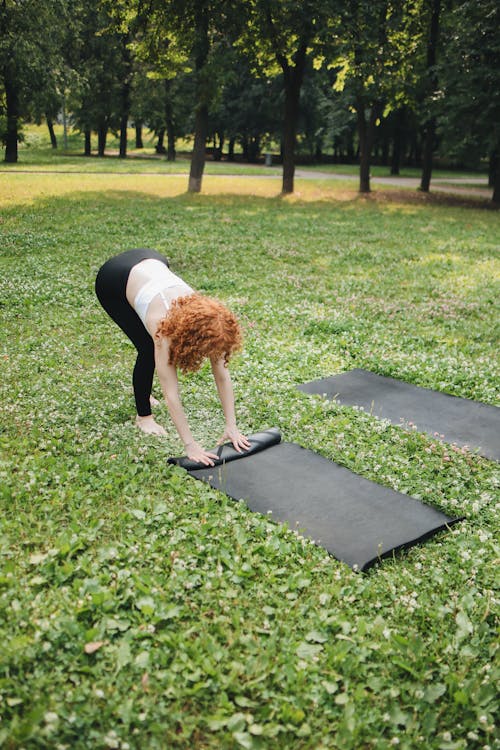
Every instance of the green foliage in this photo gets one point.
(99, 53)
(30, 47)
(469, 98)
(372, 45)
(140, 608)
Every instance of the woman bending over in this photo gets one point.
(171, 326)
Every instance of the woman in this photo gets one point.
(171, 326)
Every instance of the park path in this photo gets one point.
(472, 186)
(442, 184)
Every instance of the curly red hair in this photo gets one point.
(198, 327)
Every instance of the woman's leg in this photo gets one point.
(111, 283)
(142, 378)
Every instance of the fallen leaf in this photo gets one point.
(93, 646)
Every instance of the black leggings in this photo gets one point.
(110, 287)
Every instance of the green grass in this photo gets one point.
(36, 154)
(208, 626)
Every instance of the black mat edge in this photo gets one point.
(410, 543)
(259, 441)
(370, 563)
(474, 448)
(303, 386)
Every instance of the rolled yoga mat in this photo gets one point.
(460, 420)
(356, 520)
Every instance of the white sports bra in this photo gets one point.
(163, 279)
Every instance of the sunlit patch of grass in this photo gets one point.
(23, 188)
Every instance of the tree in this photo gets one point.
(434, 9)
(470, 94)
(29, 47)
(371, 44)
(285, 32)
(164, 105)
(247, 109)
(315, 108)
(99, 51)
(186, 35)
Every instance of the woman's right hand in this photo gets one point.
(196, 453)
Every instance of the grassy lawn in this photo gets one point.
(36, 154)
(140, 609)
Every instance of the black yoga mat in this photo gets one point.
(461, 421)
(356, 520)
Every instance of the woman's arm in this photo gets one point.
(225, 390)
(167, 375)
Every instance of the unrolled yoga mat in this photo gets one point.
(356, 520)
(460, 420)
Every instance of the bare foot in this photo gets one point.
(149, 426)
(153, 401)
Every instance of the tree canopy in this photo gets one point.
(399, 81)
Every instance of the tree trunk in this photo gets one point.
(171, 139)
(218, 145)
(293, 77)
(50, 125)
(254, 149)
(102, 134)
(415, 155)
(397, 142)
(65, 123)
(364, 155)
(123, 136)
(385, 151)
(198, 157)
(351, 154)
(169, 120)
(125, 111)
(138, 135)
(230, 149)
(201, 49)
(289, 140)
(428, 150)
(493, 168)
(88, 142)
(11, 135)
(430, 128)
(160, 148)
(496, 179)
(366, 134)
(126, 84)
(244, 147)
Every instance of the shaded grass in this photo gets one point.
(212, 627)
(36, 153)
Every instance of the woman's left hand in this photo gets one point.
(233, 435)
